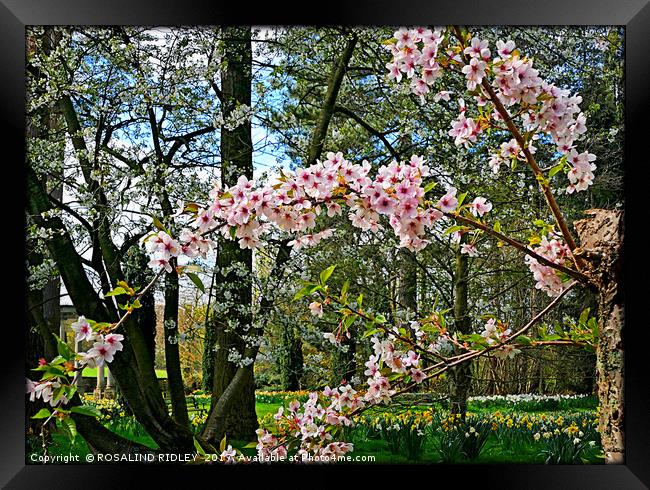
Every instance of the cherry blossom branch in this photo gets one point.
(520, 246)
(454, 361)
(546, 190)
(138, 297)
(426, 354)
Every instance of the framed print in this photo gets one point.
(382, 237)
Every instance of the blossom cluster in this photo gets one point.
(311, 424)
(246, 212)
(164, 247)
(323, 413)
(495, 332)
(542, 107)
(102, 351)
(546, 277)
(45, 390)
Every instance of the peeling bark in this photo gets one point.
(601, 238)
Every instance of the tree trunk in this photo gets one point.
(241, 388)
(235, 286)
(291, 358)
(460, 376)
(172, 354)
(333, 87)
(601, 239)
(138, 273)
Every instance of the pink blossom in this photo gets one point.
(417, 375)
(480, 206)
(448, 202)
(102, 352)
(469, 249)
(316, 308)
(160, 263)
(83, 330)
(114, 341)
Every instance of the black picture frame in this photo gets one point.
(633, 14)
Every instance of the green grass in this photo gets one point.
(92, 373)
(264, 409)
(493, 452)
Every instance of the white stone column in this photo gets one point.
(101, 383)
(110, 385)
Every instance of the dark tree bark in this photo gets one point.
(172, 353)
(601, 239)
(460, 376)
(333, 87)
(138, 273)
(239, 421)
(221, 409)
(291, 358)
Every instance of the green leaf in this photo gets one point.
(349, 320)
(556, 169)
(497, 227)
(525, 340)
(584, 316)
(344, 289)
(250, 445)
(43, 413)
(461, 198)
(158, 224)
(233, 232)
(452, 229)
(360, 300)
(380, 318)
(222, 445)
(308, 289)
(369, 333)
(63, 349)
(325, 275)
(198, 447)
(116, 292)
(88, 410)
(70, 426)
(197, 281)
(429, 186)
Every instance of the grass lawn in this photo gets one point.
(365, 444)
(92, 373)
